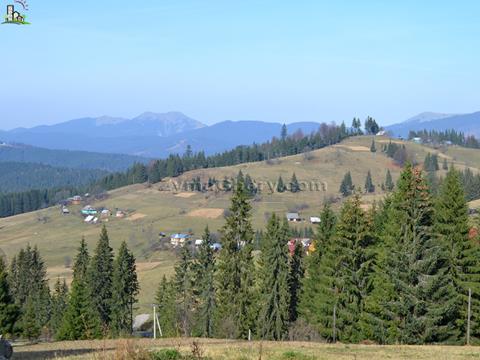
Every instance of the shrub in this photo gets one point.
(167, 354)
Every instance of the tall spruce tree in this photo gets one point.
(59, 305)
(373, 148)
(9, 312)
(280, 185)
(369, 186)
(294, 185)
(236, 312)
(389, 185)
(81, 320)
(184, 287)
(275, 297)
(461, 263)
(205, 270)
(295, 279)
(29, 285)
(346, 186)
(410, 261)
(125, 289)
(165, 298)
(315, 299)
(100, 277)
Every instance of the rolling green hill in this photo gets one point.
(164, 207)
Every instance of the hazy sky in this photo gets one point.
(273, 60)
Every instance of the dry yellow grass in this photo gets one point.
(236, 350)
(206, 213)
(185, 195)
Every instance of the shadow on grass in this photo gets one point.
(25, 354)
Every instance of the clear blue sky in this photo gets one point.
(277, 60)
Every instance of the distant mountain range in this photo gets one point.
(150, 134)
(467, 123)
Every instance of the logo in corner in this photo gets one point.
(15, 17)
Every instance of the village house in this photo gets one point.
(293, 217)
(179, 239)
(76, 200)
(88, 210)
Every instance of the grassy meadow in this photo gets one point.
(157, 208)
(239, 350)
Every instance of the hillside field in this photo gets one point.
(161, 208)
(215, 349)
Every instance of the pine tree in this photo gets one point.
(81, 319)
(389, 185)
(294, 185)
(29, 286)
(346, 187)
(280, 185)
(125, 288)
(461, 264)
(205, 267)
(369, 187)
(315, 300)
(410, 261)
(235, 270)
(184, 290)
(59, 305)
(100, 277)
(165, 299)
(295, 279)
(275, 297)
(373, 148)
(9, 312)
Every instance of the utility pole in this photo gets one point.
(154, 322)
(469, 315)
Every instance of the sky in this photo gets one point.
(281, 61)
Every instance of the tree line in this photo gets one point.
(440, 137)
(99, 302)
(175, 165)
(398, 273)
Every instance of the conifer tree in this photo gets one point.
(461, 264)
(373, 148)
(205, 268)
(295, 279)
(100, 277)
(315, 300)
(369, 187)
(411, 262)
(275, 297)
(165, 299)
(9, 312)
(346, 187)
(445, 164)
(59, 305)
(81, 320)
(236, 313)
(389, 185)
(280, 185)
(125, 288)
(294, 185)
(183, 283)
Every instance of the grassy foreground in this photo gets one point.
(239, 350)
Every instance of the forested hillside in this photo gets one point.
(67, 159)
(18, 177)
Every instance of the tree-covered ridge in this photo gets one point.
(67, 158)
(440, 137)
(18, 177)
